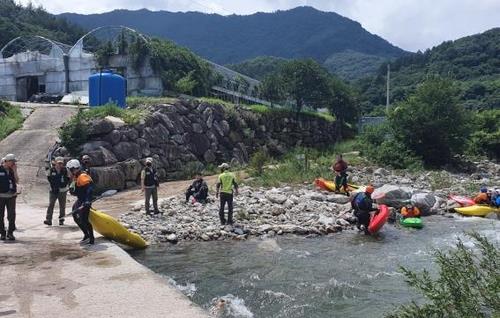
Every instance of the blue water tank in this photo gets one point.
(107, 87)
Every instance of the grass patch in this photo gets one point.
(217, 101)
(440, 180)
(302, 165)
(136, 101)
(129, 116)
(11, 119)
(262, 109)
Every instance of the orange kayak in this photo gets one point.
(379, 219)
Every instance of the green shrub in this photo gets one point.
(136, 101)
(11, 119)
(129, 116)
(485, 140)
(257, 162)
(468, 284)
(74, 133)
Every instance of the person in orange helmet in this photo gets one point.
(483, 197)
(410, 211)
(362, 203)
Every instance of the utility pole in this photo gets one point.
(387, 104)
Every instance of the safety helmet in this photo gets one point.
(484, 189)
(73, 164)
(369, 189)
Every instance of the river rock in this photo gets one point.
(338, 198)
(492, 216)
(276, 197)
(172, 238)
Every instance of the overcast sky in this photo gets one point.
(409, 24)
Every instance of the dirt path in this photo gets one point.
(31, 143)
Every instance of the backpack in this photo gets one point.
(357, 201)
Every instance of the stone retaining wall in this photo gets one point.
(188, 136)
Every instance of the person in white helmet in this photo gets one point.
(83, 191)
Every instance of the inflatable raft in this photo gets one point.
(330, 185)
(379, 219)
(477, 210)
(111, 229)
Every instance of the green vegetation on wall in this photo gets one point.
(11, 119)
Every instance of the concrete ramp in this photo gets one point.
(31, 143)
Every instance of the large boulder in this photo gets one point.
(100, 127)
(425, 202)
(101, 157)
(391, 195)
(109, 178)
(131, 169)
(95, 145)
(198, 144)
(113, 137)
(115, 121)
(275, 196)
(125, 150)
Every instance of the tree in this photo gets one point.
(305, 82)
(468, 284)
(272, 89)
(431, 123)
(342, 104)
(104, 53)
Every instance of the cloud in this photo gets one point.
(410, 24)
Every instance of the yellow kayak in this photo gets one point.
(477, 210)
(111, 229)
(330, 185)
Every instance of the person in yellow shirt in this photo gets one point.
(226, 186)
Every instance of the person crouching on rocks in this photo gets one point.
(362, 204)
(225, 185)
(59, 178)
(198, 189)
(83, 187)
(410, 211)
(149, 186)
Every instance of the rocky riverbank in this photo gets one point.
(302, 209)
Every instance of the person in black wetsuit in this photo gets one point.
(362, 204)
(198, 189)
(59, 178)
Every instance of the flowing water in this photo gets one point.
(342, 275)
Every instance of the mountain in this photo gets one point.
(303, 32)
(473, 62)
(17, 20)
(259, 67)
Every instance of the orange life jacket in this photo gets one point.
(410, 213)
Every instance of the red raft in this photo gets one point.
(379, 219)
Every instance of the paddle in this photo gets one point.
(104, 195)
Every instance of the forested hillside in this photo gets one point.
(17, 20)
(473, 62)
(303, 32)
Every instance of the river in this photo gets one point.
(342, 275)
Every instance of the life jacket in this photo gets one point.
(150, 178)
(82, 184)
(410, 213)
(58, 180)
(361, 202)
(482, 198)
(226, 180)
(7, 181)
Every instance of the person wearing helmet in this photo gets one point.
(362, 204)
(83, 186)
(225, 185)
(8, 193)
(410, 211)
(59, 178)
(483, 197)
(198, 189)
(86, 164)
(149, 185)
